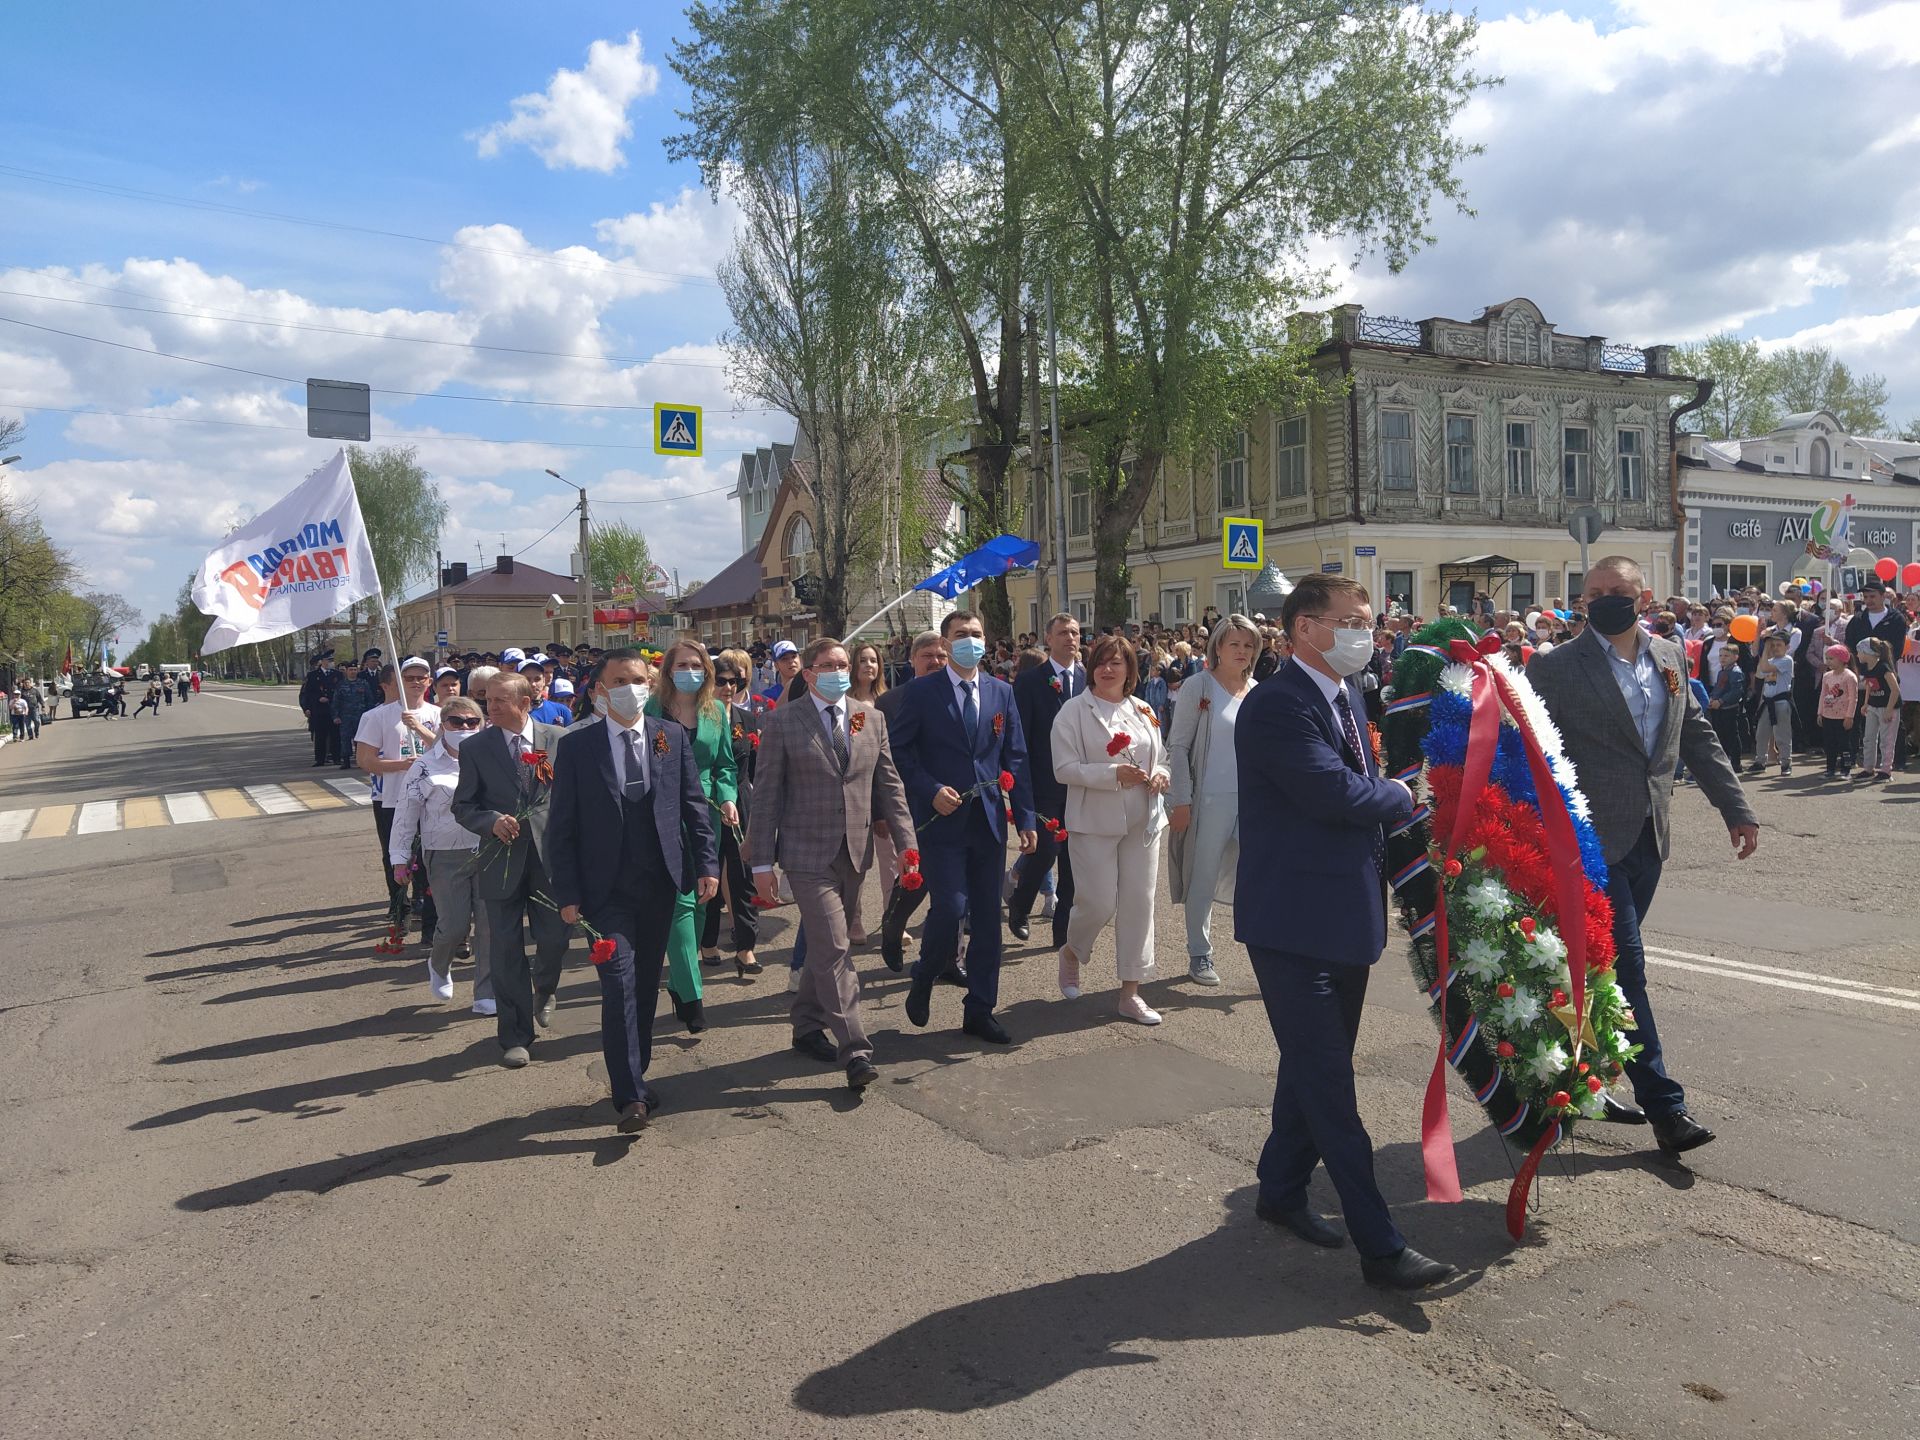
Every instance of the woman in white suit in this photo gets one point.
(1108, 752)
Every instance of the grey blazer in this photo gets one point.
(492, 785)
(1622, 784)
(805, 807)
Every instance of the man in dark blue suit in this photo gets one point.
(627, 830)
(1311, 910)
(955, 734)
(1039, 694)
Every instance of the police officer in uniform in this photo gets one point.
(316, 703)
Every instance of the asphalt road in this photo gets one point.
(258, 1184)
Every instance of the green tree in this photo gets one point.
(1203, 145)
(34, 574)
(101, 616)
(1910, 430)
(1812, 379)
(1746, 385)
(615, 550)
(403, 511)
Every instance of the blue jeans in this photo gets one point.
(1631, 882)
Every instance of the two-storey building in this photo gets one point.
(1447, 462)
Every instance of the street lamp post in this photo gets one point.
(586, 564)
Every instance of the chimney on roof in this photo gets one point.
(454, 574)
(503, 564)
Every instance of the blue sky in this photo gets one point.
(1655, 169)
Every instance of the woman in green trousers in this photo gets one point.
(683, 691)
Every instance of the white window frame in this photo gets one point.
(1223, 596)
(1579, 486)
(1391, 445)
(1081, 607)
(1632, 469)
(1167, 617)
(1412, 572)
(1520, 459)
(1290, 479)
(1133, 605)
(1716, 567)
(787, 554)
(1471, 448)
(1080, 506)
(1230, 473)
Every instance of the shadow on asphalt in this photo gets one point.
(1243, 1279)
(166, 768)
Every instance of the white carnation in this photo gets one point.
(1482, 960)
(1548, 948)
(1548, 1061)
(1517, 1011)
(1487, 899)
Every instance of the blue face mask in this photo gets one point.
(832, 684)
(967, 651)
(689, 681)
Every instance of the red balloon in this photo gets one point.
(1910, 577)
(1886, 567)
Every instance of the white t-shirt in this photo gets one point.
(381, 726)
(1908, 669)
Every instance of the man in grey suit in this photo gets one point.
(1620, 699)
(505, 773)
(824, 775)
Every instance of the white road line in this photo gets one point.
(1833, 990)
(249, 700)
(1776, 970)
(98, 816)
(357, 791)
(13, 824)
(274, 799)
(187, 807)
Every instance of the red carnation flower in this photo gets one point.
(1006, 782)
(910, 859)
(1451, 869)
(1120, 741)
(1595, 1083)
(1505, 1050)
(531, 757)
(753, 740)
(1504, 990)
(911, 880)
(1560, 998)
(601, 952)
(1527, 926)
(1560, 1100)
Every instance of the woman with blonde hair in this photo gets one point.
(1107, 752)
(1204, 853)
(687, 696)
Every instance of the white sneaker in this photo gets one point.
(793, 982)
(1200, 970)
(1132, 1007)
(485, 1007)
(1069, 974)
(442, 984)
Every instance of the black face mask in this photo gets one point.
(1611, 614)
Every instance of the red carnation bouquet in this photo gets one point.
(910, 876)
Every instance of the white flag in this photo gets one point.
(303, 561)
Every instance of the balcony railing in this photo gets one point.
(1389, 330)
(1624, 357)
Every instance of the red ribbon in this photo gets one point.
(1493, 692)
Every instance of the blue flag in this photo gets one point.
(996, 557)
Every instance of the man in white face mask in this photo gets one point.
(1310, 907)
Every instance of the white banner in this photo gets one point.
(301, 562)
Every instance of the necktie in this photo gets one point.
(837, 738)
(636, 786)
(1377, 837)
(969, 712)
(522, 772)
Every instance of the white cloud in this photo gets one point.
(690, 236)
(579, 122)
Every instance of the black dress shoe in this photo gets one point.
(816, 1044)
(1304, 1223)
(634, 1118)
(1407, 1270)
(696, 1017)
(985, 1027)
(1019, 928)
(954, 976)
(860, 1074)
(893, 950)
(1679, 1132)
(1619, 1112)
(919, 1000)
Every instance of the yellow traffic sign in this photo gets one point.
(1242, 545)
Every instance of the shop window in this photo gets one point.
(1728, 576)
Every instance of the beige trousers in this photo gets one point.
(829, 994)
(1114, 878)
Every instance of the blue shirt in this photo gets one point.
(552, 712)
(1640, 686)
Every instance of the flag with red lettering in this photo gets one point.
(302, 561)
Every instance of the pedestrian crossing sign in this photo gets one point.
(676, 430)
(1240, 545)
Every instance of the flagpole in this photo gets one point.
(881, 611)
(380, 592)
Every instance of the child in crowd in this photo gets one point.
(1839, 693)
(1773, 726)
(1880, 689)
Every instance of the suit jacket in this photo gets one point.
(1623, 785)
(806, 808)
(1891, 628)
(585, 827)
(1096, 805)
(1311, 814)
(1039, 705)
(932, 749)
(492, 785)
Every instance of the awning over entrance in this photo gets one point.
(1490, 573)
